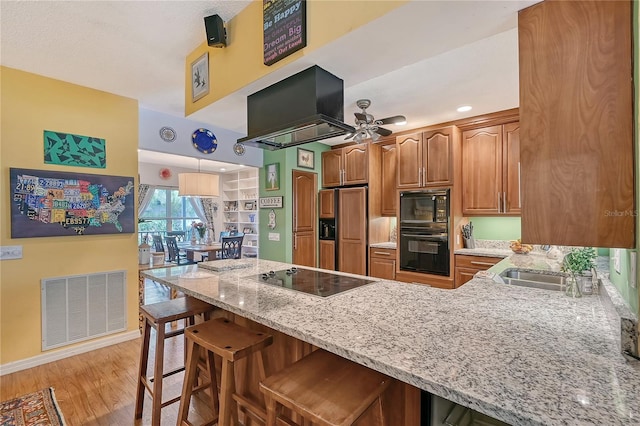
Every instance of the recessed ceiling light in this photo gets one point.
(464, 108)
(222, 169)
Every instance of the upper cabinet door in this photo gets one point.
(331, 168)
(389, 176)
(576, 118)
(305, 185)
(511, 168)
(409, 158)
(482, 171)
(437, 157)
(326, 199)
(356, 164)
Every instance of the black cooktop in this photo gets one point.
(312, 282)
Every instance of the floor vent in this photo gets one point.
(82, 307)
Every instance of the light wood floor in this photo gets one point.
(98, 387)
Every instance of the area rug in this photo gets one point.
(35, 409)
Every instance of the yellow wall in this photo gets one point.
(239, 64)
(31, 104)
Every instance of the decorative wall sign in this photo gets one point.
(306, 158)
(284, 28)
(272, 219)
(272, 181)
(200, 77)
(49, 203)
(74, 150)
(270, 202)
(204, 141)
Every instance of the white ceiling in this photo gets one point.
(422, 60)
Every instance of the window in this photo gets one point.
(167, 212)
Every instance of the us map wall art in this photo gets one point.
(74, 150)
(50, 203)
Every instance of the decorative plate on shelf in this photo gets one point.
(165, 173)
(238, 148)
(168, 134)
(204, 141)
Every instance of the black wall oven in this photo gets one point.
(424, 231)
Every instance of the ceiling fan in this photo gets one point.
(368, 127)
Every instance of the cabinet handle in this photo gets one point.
(384, 253)
(424, 176)
(519, 188)
(504, 202)
(473, 262)
(498, 194)
(295, 242)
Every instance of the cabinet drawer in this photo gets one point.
(480, 263)
(382, 253)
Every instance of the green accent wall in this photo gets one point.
(496, 228)
(282, 250)
(621, 280)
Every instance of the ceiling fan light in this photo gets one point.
(375, 137)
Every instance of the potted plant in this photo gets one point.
(578, 263)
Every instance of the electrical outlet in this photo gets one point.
(274, 236)
(10, 252)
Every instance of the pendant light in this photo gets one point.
(199, 184)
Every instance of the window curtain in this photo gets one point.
(209, 208)
(145, 192)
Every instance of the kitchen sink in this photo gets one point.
(542, 279)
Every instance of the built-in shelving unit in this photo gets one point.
(240, 207)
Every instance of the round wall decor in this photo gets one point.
(238, 149)
(165, 173)
(204, 141)
(168, 134)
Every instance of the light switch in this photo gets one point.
(274, 236)
(10, 252)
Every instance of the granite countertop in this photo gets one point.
(385, 245)
(522, 355)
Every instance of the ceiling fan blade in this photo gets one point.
(392, 120)
(383, 132)
(360, 116)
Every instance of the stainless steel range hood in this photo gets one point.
(303, 108)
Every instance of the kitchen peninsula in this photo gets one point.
(524, 356)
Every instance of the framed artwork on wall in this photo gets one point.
(272, 181)
(200, 77)
(306, 158)
(46, 203)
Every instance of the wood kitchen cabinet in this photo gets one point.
(346, 166)
(425, 159)
(467, 266)
(389, 200)
(326, 203)
(327, 254)
(491, 170)
(382, 263)
(352, 219)
(576, 112)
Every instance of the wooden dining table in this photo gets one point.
(211, 250)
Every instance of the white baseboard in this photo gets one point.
(50, 356)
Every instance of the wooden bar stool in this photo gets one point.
(231, 342)
(156, 316)
(325, 389)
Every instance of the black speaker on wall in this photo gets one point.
(216, 34)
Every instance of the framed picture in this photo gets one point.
(200, 77)
(306, 158)
(247, 231)
(272, 181)
(248, 205)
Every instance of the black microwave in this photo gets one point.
(424, 207)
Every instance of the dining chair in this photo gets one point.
(232, 247)
(157, 243)
(174, 251)
(180, 235)
(223, 234)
